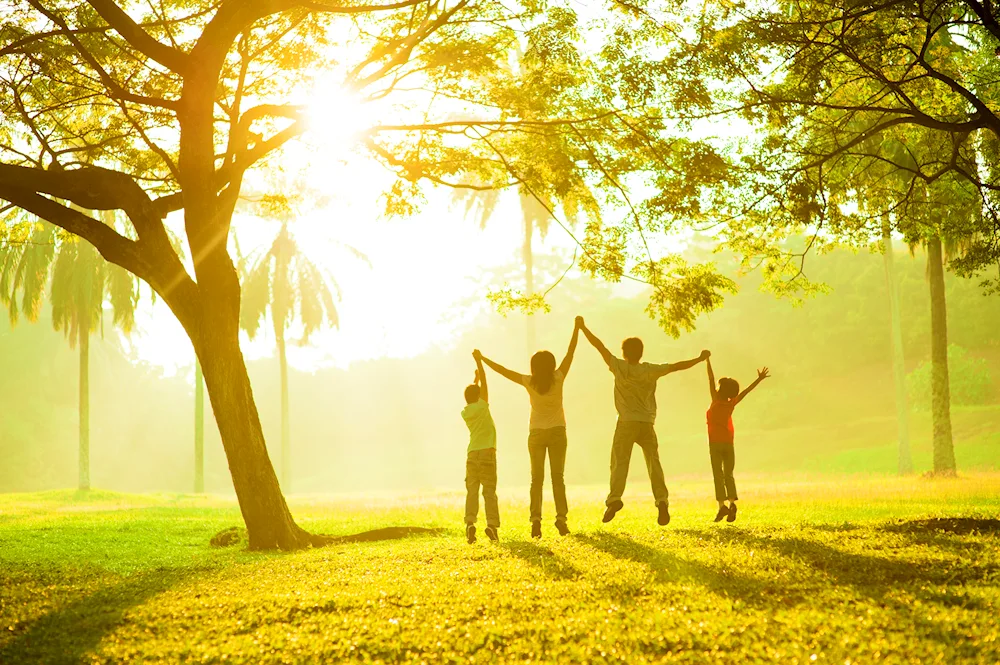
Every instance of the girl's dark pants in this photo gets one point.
(723, 460)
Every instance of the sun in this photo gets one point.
(337, 118)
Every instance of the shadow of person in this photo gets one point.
(541, 557)
(869, 574)
(668, 567)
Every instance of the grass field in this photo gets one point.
(835, 570)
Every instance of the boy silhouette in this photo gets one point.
(635, 401)
(481, 460)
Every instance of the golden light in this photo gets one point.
(337, 118)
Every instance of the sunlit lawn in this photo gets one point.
(838, 570)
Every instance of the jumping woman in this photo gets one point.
(547, 427)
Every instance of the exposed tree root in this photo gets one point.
(236, 535)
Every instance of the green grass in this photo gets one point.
(830, 570)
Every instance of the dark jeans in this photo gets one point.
(552, 441)
(481, 469)
(723, 460)
(627, 434)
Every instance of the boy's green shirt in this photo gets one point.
(482, 431)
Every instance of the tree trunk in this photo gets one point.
(199, 429)
(944, 450)
(84, 480)
(905, 461)
(286, 440)
(269, 522)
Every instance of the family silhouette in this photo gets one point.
(635, 402)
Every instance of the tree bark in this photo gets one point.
(269, 522)
(905, 461)
(944, 450)
(84, 479)
(199, 429)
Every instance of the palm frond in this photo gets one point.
(256, 295)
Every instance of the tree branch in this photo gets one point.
(123, 24)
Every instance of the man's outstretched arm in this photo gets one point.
(596, 343)
(568, 360)
(670, 368)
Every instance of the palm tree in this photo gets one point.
(199, 429)
(284, 282)
(81, 283)
(945, 218)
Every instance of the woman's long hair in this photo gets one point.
(543, 371)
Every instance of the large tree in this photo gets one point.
(162, 108)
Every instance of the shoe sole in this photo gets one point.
(663, 522)
(608, 517)
(492, 535)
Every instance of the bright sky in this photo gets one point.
(428, 274)
(426, 281)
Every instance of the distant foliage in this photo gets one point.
(971, 383)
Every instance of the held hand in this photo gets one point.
(763, 374)
(477, 355)
(579, 322)
(705, 355)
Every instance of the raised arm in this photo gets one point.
(568, 360)
(503, 371)
(597, 344)
(484, 393)
(761, 375)
(711, 379)
(670, 368)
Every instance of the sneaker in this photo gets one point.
(722, 514)
(562, 528)
(491, 533)
(663, 519)
(732, 513)
(536, 529)
(609, 514)
(470, 533)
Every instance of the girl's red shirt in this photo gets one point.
(720, 421)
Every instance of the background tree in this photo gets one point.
(854, 115)
(284, 282)
(199, 429)
(81, 283)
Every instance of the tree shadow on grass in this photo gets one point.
(668, 567)
(876, 577)
(542, 558)
(69, 633)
